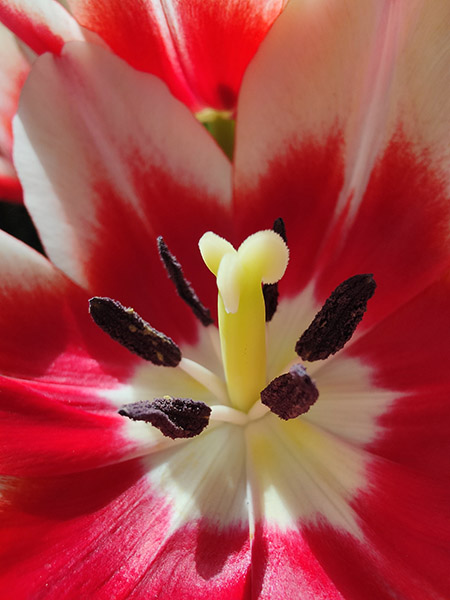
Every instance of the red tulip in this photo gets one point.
(342, 130)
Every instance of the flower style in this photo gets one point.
(342, 130)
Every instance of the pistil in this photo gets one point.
(262, 257)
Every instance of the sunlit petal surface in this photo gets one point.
(350, 500)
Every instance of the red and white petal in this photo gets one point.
(200, 48)
(404, 513)
(358, 163)
(405, 520)
(32, 296)
(290, 149)
(13, 71)
(111, 532)
(43, 25)
(409, 353)
(390, 522)
(72, 427)
(110, 162)
(301, 477)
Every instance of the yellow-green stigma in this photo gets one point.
(261, 258)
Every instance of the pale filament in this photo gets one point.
(207, 378)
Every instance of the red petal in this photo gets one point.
(296, 189)
(71, 534)
(199, 48)
(284, 566)
(403, 554)
(104, 534)
(66, 428)
(55, 364)
(46, 329)
(10, 188)
(210, 562)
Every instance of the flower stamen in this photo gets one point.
(174, 417)
(183, 286)
(125, 326)
(291, 394)
(338, 318)
(270, 290)
(228, 414)
(207, 378)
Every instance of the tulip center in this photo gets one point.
(261, 258)
(247, 299)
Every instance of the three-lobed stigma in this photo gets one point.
(261, 258)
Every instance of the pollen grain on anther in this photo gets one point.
(127, 328)
(338, 318)
(174, 417)
(183, 286)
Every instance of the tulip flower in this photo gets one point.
(229, 378)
